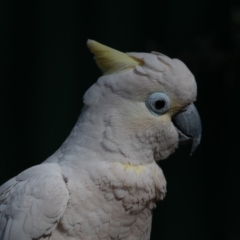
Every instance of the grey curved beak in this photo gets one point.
(188, 124)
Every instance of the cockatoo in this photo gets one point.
(104, 181)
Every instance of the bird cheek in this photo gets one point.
(166, 141)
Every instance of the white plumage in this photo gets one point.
(103, 182)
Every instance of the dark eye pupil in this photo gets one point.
(159, 104)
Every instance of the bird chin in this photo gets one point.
(161, 155)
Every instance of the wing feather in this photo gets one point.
(32, 203)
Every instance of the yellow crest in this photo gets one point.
(110, 60)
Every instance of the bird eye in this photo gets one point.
(158, 103)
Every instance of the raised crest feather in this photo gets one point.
(110, 60)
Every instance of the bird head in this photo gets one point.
(146, 100)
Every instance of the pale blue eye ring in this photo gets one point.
(158, 103)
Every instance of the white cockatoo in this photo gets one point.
(103, 182)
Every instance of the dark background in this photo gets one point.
(45, 68)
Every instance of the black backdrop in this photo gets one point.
(45, 68)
